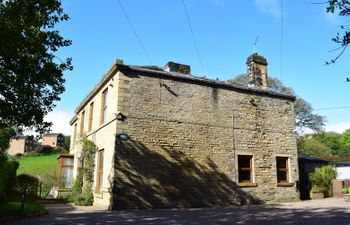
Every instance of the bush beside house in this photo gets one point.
(321, 180)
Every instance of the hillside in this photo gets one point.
(37, 165)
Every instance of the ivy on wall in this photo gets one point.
(82, 186)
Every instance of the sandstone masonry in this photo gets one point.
(178, 139)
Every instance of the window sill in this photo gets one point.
(98, 195)
(247, 184)
(285, 184)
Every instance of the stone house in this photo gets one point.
(167, 138)
(53, 140)
(21, 144)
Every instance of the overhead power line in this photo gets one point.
(135, 33)
(333, 108)
(193, 36)
(281, 44)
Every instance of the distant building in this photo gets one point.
(21, 144)
(53, 140)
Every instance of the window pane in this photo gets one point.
(282, 169)
(244, 168)
(281, 162)
(67, 177)
(281, 176)
(68, 161)
(244, 161)
(101, 160)
(244, 176)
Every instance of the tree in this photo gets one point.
(66, 140)
(26, 185)
(31, 75)
(308, 145)
(342, 8)
(345, 138)
(303, 110)
(5, 135)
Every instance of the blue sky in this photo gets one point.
(224, 30)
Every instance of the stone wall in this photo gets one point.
(184, 142)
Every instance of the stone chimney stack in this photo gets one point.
(257, 71)
(177, 67)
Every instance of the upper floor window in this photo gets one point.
(245, 169)
(82, 123)
(91, 114)
(75, 132)
(282, 169)
(104, 106)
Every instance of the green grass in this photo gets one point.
(12, 209)
(37, 165)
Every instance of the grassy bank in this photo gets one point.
(37, 165)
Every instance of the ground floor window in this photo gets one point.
(99, 177)
(245, 169)
(282, 169)
(65, 170)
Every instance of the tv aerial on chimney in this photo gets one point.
(254, 44)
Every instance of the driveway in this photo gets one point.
(326, 211)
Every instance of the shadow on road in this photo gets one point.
(261, 214)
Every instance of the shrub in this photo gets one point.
(59, 150)
(8, 170)
(43, 149)
(321, 179)
(27, 186)
(82, 186)
(345, 190)
(48, 180)
(81, 195)
(86, 197)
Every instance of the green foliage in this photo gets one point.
(5, 135)
(321, 179)
(12, 209)
(27, 186)
(342, 8)
(325, 144)
(305, 118)
(59, 150)
(88, 157)
(48, 180)
(345, 190)
(81, 195)
(31, 75)
(8, 170)
(345, 138)
(330, 139)
(44, 150)
(82, 186)
(312, 147)
(86, 197)
(66, 140)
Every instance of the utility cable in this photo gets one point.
(193, 36)
(281, 42)
(333, 108)
(135, 33)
